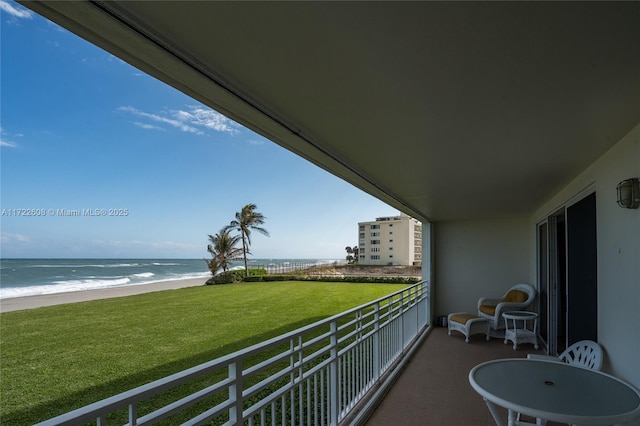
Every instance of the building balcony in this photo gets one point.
(434, 387)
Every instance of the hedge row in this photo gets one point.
(237, 276)
(234, 277)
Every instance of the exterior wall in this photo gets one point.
(393, 240)
(478, 258)
(618, 235)
(484, 258)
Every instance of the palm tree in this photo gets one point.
(349, 254)
(223, 249)
(352, 254)
(247, 220)
(213, 264)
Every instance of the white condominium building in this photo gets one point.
(392, 240)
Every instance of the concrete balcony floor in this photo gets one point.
(434, 388)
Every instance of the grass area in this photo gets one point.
(55, 359)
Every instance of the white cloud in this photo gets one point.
(193, 119)
(160, 119)
(205, 117)
(7, 143)
(148, 126)
(8, 237)
(16, 12)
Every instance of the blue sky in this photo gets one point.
(81, 129)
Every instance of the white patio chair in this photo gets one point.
(517, 298)
(585, 353)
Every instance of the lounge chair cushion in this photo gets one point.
(487, 309)
(515, 296)
(462, 318)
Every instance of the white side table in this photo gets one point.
(512, 320)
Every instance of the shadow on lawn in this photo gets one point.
(47, 410)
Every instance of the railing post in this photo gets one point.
(235, 392)
(133, 414)
(401, 310)
(333, 376)
(376, 342)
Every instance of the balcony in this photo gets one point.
(434, 388)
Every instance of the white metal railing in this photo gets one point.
(315, 375)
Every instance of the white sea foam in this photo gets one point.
(121, 265)
(144, 275)
(61, 287)
(91, 284)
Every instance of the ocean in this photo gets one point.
(29, 277)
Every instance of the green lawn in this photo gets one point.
(59, 358)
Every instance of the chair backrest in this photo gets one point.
(585, 353)
(524, 288)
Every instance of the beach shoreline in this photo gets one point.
(41, 300)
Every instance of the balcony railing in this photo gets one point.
(315, 375)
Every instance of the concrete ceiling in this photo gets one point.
(445, 110)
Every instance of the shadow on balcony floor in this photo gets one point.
(434, 388)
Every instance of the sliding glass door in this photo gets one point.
(567, 275)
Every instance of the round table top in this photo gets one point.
(556, 391)
(519, 315)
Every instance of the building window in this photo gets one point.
(390, 232)
(390, 241)
(375, 226)
(390, 248)
(391, 224)
(375, 241)
(375, 234)
(375, 257)
(390, 256)
(361, 228)
(375, 249)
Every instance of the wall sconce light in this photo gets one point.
(629, 193)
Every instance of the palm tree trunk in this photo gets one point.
(244, 252)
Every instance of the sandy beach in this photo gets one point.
(30, 302)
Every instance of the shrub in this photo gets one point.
(270, 278)
(257, 272)
(228, 277)
(237, 276)
(253, 278)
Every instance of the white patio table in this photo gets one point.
(554, 391)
